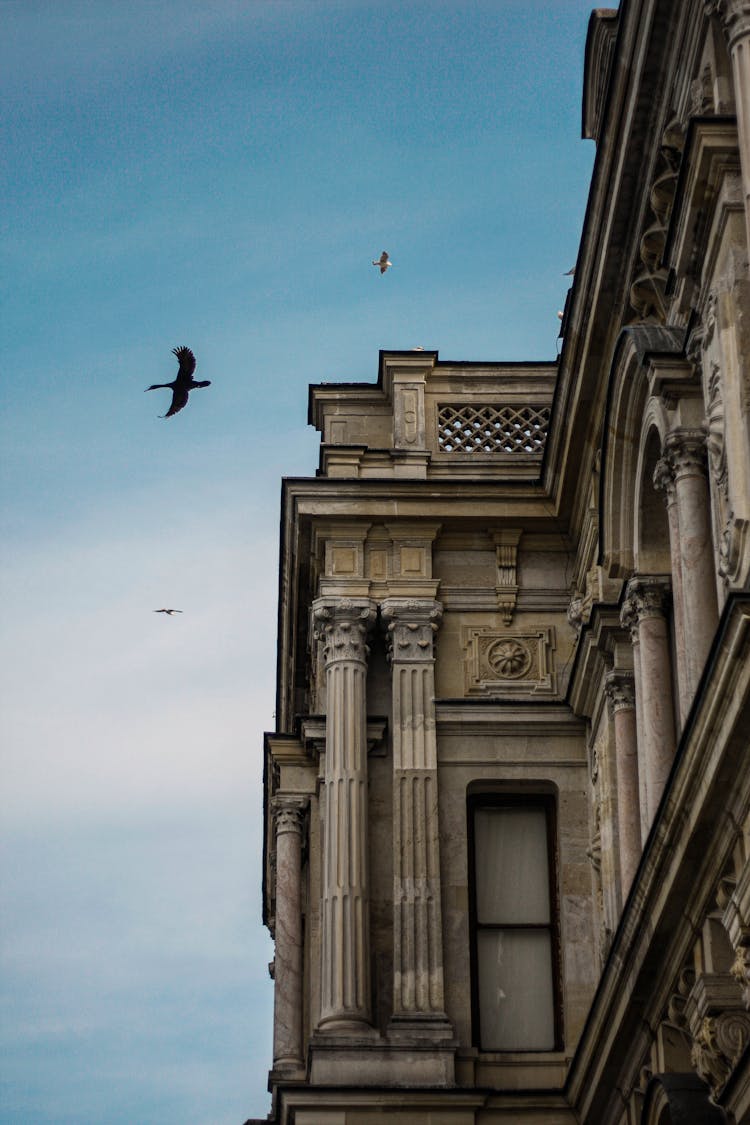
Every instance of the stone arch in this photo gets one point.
(625, 429)
(680, 1099)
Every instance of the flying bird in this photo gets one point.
(383, 261)
(169, 612)
(570, 272)
(182, 385)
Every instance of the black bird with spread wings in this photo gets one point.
(183, 384)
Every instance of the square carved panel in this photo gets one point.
(500, 663)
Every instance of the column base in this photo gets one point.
(339, 1061)
(410, 1026)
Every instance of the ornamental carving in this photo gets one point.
(411, 626)
(686, 451)
(341, 627)
(620, 691)
(646, 597)
(717, 455)
(514, 665)
(717, 1045)
(509, 659)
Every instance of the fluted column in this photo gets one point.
(686, 451)
(418, 993)
(289, 818)
(345, 981)
(620, 689)
(664, 481)
(735, 16)
(644, 613)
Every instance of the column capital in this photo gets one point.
(620, 691)
(411, 625)
(664, 478)
(288, 812)
(646, 596)
(342, 625)
(685, 450)
(735, 18)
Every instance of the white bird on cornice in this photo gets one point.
(383, 261)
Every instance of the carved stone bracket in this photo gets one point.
(506, 589)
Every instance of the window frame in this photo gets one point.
(495, 800)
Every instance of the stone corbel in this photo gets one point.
(506, 589)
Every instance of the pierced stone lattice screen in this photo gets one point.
(492, 429)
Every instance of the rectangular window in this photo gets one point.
(515, 926)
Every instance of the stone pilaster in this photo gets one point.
(289, 819)
(735, 17)
(418, 993)
(644, 613)
(698, 610)
(620, 689)
(342, 625)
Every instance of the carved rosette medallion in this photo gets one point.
(502, 665)
(509, 659)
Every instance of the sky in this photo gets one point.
(218, 174)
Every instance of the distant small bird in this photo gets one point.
(560, 314)
(383, 261)
(182, 385)
(570, 272)
(168, 612)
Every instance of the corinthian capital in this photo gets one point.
(342, 625)
(288, 813)
(411, 625)
(620, 690)
(664, 477)
(646, 596)
(685, 450)
(735, 18)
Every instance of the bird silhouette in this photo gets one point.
(169, 612)
(182, 385)
(383, 261)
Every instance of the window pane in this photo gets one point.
(516, 1007)
(512, 876)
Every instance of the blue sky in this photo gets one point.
(217, 174)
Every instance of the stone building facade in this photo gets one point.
(507, 804)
